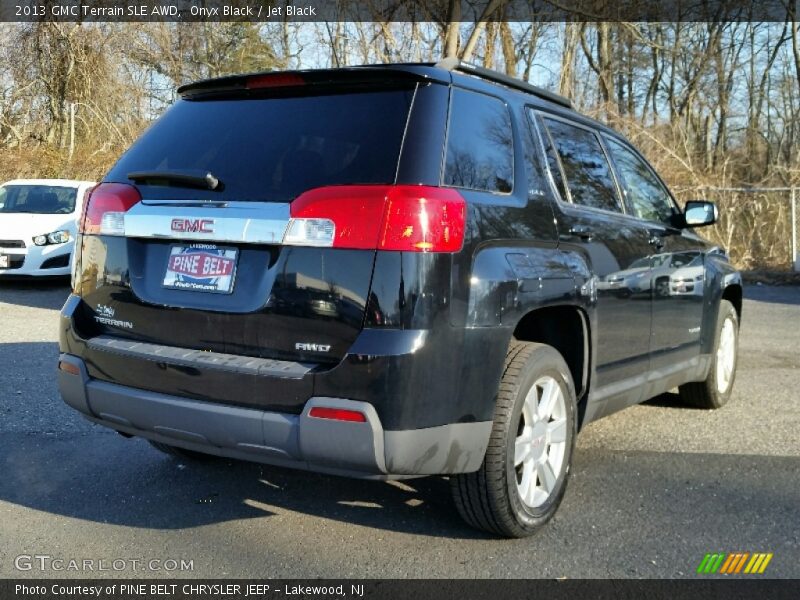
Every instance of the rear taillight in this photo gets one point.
(409, 218)
(105, 208)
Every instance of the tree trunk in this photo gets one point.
(452, 29)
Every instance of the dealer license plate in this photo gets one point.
(201, 268)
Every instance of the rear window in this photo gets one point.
(273, 149)
(38, 199)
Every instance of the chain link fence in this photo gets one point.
(758, 227)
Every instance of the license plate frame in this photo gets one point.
(187, 272)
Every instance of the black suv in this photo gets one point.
(387, 272)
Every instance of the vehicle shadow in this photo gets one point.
(35, 293)
(102, 477)
(669, 400)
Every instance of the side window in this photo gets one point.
(552, 162)
(480, 143)
(586, 169)
(647, 196)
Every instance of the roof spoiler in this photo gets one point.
(455, 64)
(355, 75)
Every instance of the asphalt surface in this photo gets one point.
(653, 489)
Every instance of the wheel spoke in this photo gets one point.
(557, 431)
(726, 356)
(529, 408)
(728, 371)
(546, 476)
(548, 399)
(528, 479)
(522, 447)
(530, 497)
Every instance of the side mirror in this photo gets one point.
(699, 213)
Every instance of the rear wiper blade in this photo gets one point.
(194, 179)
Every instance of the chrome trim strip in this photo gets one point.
(187, 357)
(240, 222)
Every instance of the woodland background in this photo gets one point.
(710, 104)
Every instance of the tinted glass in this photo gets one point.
(585, 166)
(38, 199)
(552, 164)
(648, 198)
(480, 143)
(275, 148)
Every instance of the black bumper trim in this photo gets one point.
(356, 449)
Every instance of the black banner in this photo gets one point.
(238, 589)
(265, 11)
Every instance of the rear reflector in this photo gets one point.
(105, 208)
(408, 218)
(337, 414)
(68, 368)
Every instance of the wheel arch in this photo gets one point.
(733, 294)
(567, 329)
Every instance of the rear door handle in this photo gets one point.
(581, 231)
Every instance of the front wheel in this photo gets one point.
(524, 473)
(715, 391)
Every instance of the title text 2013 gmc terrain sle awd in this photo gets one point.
(387, 272)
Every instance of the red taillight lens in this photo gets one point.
(104, 209)
(337, 414)
(423, 219)
(272, 80)
(409, 218)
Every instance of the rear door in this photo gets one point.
(592, 222)
(201, 268)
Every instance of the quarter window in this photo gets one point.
(586, 169)
(553, 166)
(480, 146)
(647, 196)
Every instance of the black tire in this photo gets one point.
(662, 287)
(489, 498)
(180, 452)
(706, 394)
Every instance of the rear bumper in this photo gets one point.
(353, 449)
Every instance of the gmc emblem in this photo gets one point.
(193, 225)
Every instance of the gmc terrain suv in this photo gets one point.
(387, 272)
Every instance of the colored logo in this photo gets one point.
(736, 563)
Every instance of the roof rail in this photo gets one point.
(454, 64)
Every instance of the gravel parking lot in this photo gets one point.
(654, 488)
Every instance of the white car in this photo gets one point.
(38, 225)
(688, 280)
